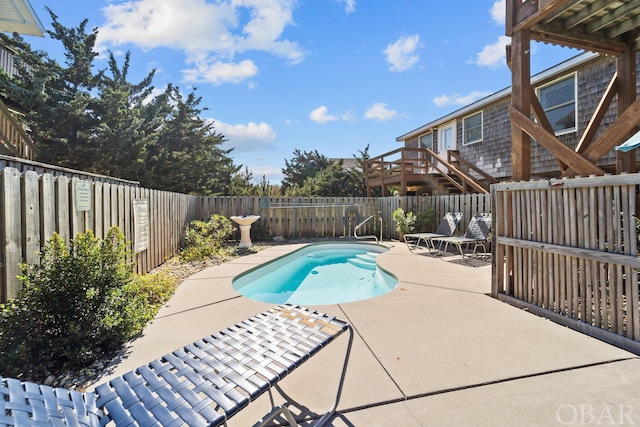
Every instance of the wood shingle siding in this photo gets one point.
(493, 154)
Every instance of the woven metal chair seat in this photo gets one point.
(476, 234)
(203, 383)
(447, 227)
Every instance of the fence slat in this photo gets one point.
(12, 249)
(585, 231)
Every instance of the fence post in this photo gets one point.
(11, 232)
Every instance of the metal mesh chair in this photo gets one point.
(201, 384)
(476, 235)
(446, 228)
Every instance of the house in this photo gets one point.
(15, 16)
(564, 121)
(480, 133)
(347, 162)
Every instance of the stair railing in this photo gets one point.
(467, 180)
(13, 137)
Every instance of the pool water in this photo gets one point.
(318, 274)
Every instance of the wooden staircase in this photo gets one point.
(455, 175)
(14, 140)
(422, 167)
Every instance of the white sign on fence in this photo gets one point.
(83, 195)
(140, 225)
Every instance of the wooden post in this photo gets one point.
(521, 101)
(626, 67)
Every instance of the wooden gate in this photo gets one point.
(567, 249)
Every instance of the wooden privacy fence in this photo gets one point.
(567, 249)
(467, 204)
(34, 206)
(333, 217)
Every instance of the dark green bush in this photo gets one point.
(425, 220)
(79, 302)
(205, 238)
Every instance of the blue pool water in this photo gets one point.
(317, 274)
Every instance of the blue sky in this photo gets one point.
(331, 75)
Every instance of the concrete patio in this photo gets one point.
(436, 351)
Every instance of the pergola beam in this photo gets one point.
(576, 162)
(609, 27)
(529, 13)
(598, 115)
(549, 33)
(588, 12)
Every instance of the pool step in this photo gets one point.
(369, 257)
(367, 260)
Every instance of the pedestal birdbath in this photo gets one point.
(245, 222)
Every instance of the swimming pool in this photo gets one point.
(318, 274)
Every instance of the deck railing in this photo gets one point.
(13, 137)
(412, 165)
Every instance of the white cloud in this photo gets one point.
(498, 12)
(494, 55)
(349, 5)
(379, 111)
(401, 55)
(209, 33)
(321, 115)
(247, 137)
(220, 72)
(272, 174)
(446, 100)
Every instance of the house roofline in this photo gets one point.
(19, 16)
(541, 76)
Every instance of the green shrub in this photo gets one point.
(137, 303)
(405, 222)
(204, 238)
(76, 304)
(156, 287)
(425, 220)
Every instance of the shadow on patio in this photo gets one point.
(436, 351)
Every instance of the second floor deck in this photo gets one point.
(410, 169)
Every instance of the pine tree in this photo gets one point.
(98, 121)
(187, 157)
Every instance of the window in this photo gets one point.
(426, 141)
(558, 100)
(472, 128)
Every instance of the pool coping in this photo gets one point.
(438, 350)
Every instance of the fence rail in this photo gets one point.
(569, 247)
(35, 205)
(334, 217)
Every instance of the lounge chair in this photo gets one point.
(446, 228)
(201, 384)
(476, 235)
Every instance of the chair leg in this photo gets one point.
(275, 412)
(281, 410)
(329, 414)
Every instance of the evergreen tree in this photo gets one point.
(332, 181)
(124, 128)
(57, 100)
(304, 165)
(358, 174)
(186, 156)
(97, 121)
